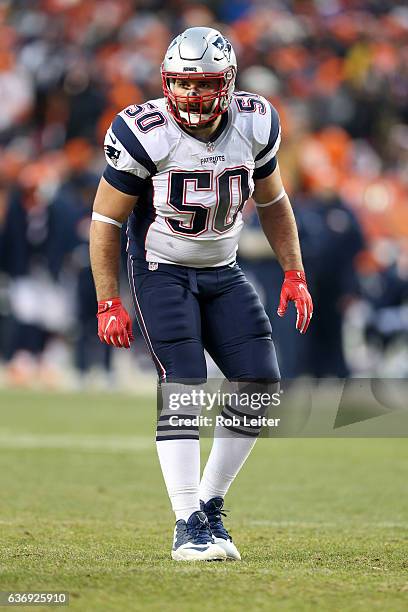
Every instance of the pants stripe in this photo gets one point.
(139, 315)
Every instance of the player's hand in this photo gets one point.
(114, 324)
(295, 289)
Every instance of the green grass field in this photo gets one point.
(321, 524)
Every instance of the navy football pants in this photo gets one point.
(182, 311)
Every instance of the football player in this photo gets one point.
(179, 170)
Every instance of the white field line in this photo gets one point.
(356, 526)
(328, 524)
(87, 443)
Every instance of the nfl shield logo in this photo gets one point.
(210, 147)
(153, 265)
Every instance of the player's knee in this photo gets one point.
(186, 372)
(184, 361)
(262, 362)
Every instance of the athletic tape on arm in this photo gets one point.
(278, 197)
(97, 217)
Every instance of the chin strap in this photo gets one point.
(190, 116)
(203, 117)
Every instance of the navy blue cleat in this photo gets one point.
(213, 511)
(193, 540)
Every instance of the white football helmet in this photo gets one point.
(199, 53)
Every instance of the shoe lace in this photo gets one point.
(217, 527)
(200, 533)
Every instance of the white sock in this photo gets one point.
(180, 464)
(228, 454)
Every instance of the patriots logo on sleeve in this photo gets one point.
(112, 153)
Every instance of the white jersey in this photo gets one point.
(191, 193)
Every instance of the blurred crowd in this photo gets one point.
(336, 70)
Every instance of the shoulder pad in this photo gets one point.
(265, 124)
(141, 132)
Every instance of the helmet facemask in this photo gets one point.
(190, 110)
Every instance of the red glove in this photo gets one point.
(114, 324)
(295, 289)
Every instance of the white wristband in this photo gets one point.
(278, 197)
(97, 217)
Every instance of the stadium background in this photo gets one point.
(337, 72)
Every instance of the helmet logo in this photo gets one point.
(189, 69)
(223, 45)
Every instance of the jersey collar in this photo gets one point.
(215, 138)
